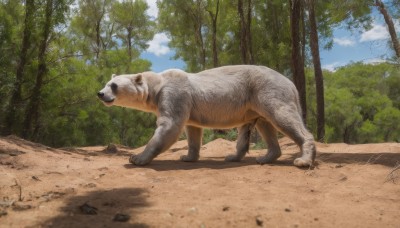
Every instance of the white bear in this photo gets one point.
(241, 96)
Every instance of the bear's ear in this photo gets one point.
(113, 76)
(138, 79)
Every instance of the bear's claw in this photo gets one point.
(233, 158)
(187, 158)
(301, 162)
(138, 159)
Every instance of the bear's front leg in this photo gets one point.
(166, 134)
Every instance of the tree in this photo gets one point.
(53, 14)
(134, 26)
(390, 25)
(314, 44)
(245, 32)
(188, 36)
(356, 97)
(214, 18)
(297, 55)
(16, 96)
(91, 26)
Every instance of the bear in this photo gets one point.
(241, 96)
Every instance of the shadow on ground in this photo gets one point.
(208, 163)
(108, 203)
(386, 159)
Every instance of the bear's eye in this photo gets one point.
(114, 87)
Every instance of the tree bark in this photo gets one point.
(390, 25)
(319, 82)
(242, 33)
(198, 21)
(33, 109)
(214, 18)
(248, 33)
(245, 44)
(15, 101)
(297, 63)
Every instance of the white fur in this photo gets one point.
(233, 96)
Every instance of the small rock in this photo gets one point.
(109, 204)
(121, 217)
(36, 178)
(193, 210)
(343, 178)
(259, 221)
(226, 208)
(3, 213)
(87, 209)
(111, 149)
(101, 175)
(90, 185)
(102, 169)
(21, 207)
(338, 166)
(287, 210)
(69, 190)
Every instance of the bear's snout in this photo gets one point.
(100, 94)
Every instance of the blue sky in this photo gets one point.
(368, 46)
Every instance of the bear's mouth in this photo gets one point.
(109, 101)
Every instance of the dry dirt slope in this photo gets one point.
(86, 187)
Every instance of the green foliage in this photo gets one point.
(98, 38)
(210, 135)
(360, 103)
(80, 59)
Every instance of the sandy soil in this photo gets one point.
(351, 186)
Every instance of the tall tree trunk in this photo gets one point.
(297, 63)
(202, 48)
(248, 33)
(15, 101)
(319, 82)
(303, 36)
(129, 37)
(98, 39)
(390, 25)
(242, 33)
(198, 18)
(33, 109)
(214, 18)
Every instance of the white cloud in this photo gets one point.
(374, 61)
(159, 44)
(332, 67)
(153, 10)
(344, 41)
(378, 32)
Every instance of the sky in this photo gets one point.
(368, 46)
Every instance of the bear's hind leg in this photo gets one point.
(288, 120)
(269, 134)
(194, 136)
(243, 143)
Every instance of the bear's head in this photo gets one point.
(124, 90)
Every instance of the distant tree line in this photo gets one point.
(55, 55)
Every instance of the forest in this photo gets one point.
(56, 54)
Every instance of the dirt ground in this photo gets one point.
(351, 186)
